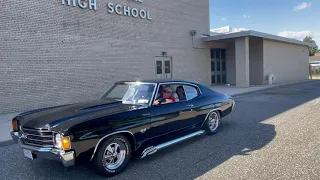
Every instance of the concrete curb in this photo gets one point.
(268, 88)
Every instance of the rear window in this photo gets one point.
(191, 92)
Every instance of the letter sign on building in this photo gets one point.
(112, 8)
(128, 11)
(92, 4)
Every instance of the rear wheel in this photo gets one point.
(212, 123)
(113, 155)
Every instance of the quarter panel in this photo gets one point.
(207, 103)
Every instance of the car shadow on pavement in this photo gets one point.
(241, 133)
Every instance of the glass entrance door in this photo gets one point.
(218, 66)
(163, 67)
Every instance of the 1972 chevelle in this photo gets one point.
(131, 119)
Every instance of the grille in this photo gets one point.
(37, 137)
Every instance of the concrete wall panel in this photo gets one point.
(242, 62)
(288, 62)
(256, 61)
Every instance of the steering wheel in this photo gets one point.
(161, 100)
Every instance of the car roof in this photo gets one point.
(162, 81)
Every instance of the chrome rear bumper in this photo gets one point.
(66, 158)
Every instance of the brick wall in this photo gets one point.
(52, 54)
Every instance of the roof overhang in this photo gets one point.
(251, 33)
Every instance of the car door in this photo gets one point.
(168, 118)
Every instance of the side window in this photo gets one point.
(179, 92)
(175, 92)
(191, 92)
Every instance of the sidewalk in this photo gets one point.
(5, 119)
(238, 91)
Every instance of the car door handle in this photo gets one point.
(190, 105)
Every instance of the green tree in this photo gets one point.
(312, 50)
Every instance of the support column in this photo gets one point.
(242, 62)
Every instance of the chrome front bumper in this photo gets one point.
(66, 158)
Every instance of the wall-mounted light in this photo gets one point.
(193, 32)
(164, 53)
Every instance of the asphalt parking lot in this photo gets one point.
(273, 134)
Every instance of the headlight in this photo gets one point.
(57, 141)
(61, 142)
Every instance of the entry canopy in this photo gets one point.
(250, 33)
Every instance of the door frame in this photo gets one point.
(163, 59)
(181, 105)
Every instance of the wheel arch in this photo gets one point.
(129, 135)
(212, 110)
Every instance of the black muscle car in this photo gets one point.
(131, 119)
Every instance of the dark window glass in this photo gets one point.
(218, 79)
(212, 66)
(223, 66)
(167, 67)
(218, 65)
(223, 54)
(218, 54)
(159, 67)
(213, 79)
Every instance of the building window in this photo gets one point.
(159, 67)
(167, 67)
(223, 54)
(213, 66)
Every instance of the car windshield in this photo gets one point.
(131, 93)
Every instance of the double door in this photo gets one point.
(218, 66)
(163, 67)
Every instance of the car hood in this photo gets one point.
(72, 113)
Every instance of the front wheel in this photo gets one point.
(212, 123)
(113, 155)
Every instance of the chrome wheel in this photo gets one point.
(114, 156)
(214, 121)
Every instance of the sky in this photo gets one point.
(288, 18)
